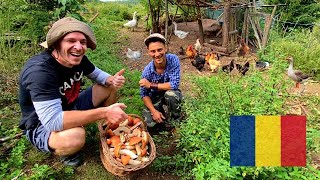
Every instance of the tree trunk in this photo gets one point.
(225, 27)
(200, 25)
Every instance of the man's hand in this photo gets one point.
(144, 83)
(117, 80)
(115, 114)
(157, 116)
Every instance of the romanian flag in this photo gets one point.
(267, 141)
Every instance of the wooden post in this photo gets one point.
(245, 26)
(166, 26)
(255, 32)
(267, 27)
(225, 26)
(200, 25)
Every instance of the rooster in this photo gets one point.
(228, 68)
(207, 57)
(243, 49)
(198, 62)
(243, 69)
(190, 52)
(214, 63)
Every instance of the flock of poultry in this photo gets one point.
(136, 55)
(212, 59)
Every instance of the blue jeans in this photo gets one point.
(39, 136)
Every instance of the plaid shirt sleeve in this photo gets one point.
(147, 75)
(174, 72)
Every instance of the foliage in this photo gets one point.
(302, 44)
(297, 11)
(204, 147)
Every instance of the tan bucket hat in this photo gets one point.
(66, 25)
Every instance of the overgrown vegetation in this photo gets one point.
(303, 13)
(202, 139)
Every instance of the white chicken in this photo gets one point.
(134, 55)
(179, 33)
(132, 23)
(197, 45)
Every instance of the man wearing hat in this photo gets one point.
(159, 85)
(54, 110)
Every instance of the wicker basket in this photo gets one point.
(111, 164)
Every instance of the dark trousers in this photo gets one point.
(169, 104)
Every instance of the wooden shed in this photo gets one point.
(233, 13)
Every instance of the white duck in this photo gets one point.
(179, 33)
(197, 45)
(132, 23)
(134, 55)
(296, 75)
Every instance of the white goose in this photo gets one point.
(132, 23)
(179, 33)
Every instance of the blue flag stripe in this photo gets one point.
(242, 141)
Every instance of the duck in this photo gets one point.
(179, 33)
(134, 55)
(296, 75)
(197, 45)
(262, 65)
(132, 23)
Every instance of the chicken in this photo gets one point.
(134, 55)
(296, 75)
(133, 23)
(243, 69)
(198, 62)
(181, 51)
(207, 57)
(214, 63)
(179, 33)
(228, 68)
(243, 49)
(190, 52)
(197, 45)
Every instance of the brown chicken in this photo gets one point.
(190, 52)
(214, 63)
(243, 49)
(207, 57)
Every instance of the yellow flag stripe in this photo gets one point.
(268, 141)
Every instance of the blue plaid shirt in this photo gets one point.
(171, 74)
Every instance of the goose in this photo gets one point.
(134, 55)
(179, 33)
(296, 75)
(132, 23)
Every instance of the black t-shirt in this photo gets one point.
(43, 78)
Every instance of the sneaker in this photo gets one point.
(72, 160)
